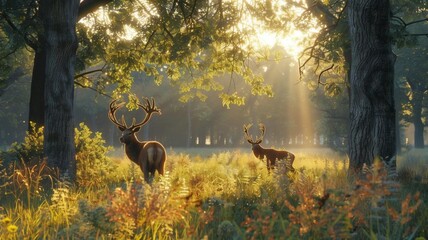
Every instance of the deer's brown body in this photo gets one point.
(150, 156)
(272, 155)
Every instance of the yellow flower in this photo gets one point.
(12, 228)
(6, 220)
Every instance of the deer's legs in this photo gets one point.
(146, 172)
(270, 164)
(161, 166)
(290, 163)
(160, 161)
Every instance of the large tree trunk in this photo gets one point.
(59, 21)
(36, 112)
(372, 111)
(417, 117)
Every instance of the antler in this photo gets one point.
(249, 138)
(149, 108)
(262, 129)
(112, 114)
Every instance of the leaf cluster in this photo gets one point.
(91, 158)
(19, 28)
(190, 44)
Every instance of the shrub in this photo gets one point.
(25, 160)
(31, 149)
(93, 166)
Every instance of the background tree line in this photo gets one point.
(181, 123)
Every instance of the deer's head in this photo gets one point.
(128, 132)
(254, 143)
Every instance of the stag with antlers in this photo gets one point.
(271, 154)
(150, 156)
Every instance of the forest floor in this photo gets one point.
(220, 193)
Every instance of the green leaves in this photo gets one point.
(233, 98)
(192, 46)
(332, 89)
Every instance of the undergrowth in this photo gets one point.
(229, 195)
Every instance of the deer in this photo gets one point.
(150, 156)
(271, 154)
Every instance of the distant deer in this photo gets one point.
(271, 154)
(149, 155)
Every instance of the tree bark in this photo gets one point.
(417, 117)
(372, 110)
(36, 112)
(59, 21)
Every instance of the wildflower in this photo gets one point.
(6, 220)
(12, 228)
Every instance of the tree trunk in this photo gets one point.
(189, 125)
(417, 118)
(398, 134)
(59, 21)
(36, 112)
(372, 111)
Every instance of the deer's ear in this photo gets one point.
(136, 129)
(121, 128)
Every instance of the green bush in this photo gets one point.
(31, 149)
(93, 166)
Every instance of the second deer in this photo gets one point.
(150, 156)
(271, 154)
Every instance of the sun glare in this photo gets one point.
(292, 43)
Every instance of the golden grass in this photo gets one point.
(415, 161)
(208, 194)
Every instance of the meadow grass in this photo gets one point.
(223, 194)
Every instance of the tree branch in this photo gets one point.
(88, 6)
(321, 12)
(413, 22)
(9, 53)
(193, 8)
(83, 75)
(311, 50)
(15, 28)
(93, 89)
(322, 72)
(149, 39)
(417, 21)
(168, 33)
(415, 34)
(88, 72)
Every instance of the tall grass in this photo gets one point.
(226, 195)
